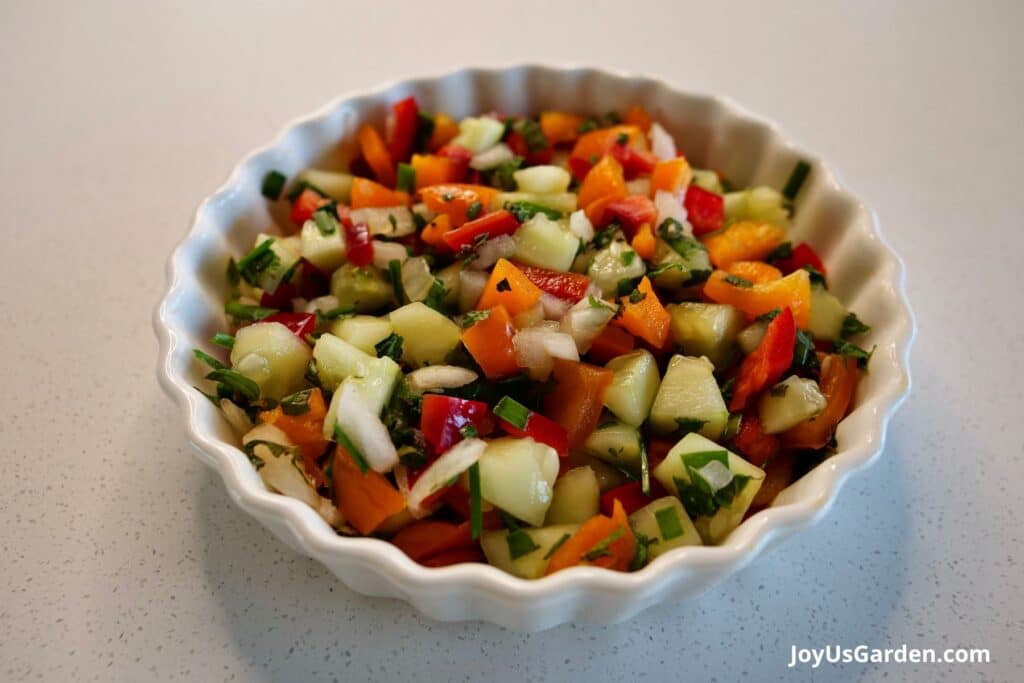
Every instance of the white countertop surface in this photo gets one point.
(124, 560)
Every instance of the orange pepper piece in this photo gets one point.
(435, 170)
(604, 180)
(577, 398)
(428, 538)
(445, 128)
(611, 343)
(368, 194)
(368, 499)
(601, 542)
(455, 199)
(306, 430)
(510, 288)
(593, 145)
(792, 291)
(839, 377)
(433, 233)
(371, 144)
(757, 272)
(643, 242)
(645, 318)
(638, 116)
(489, 341)
(743, 241)
(559, 126)
(671, 175)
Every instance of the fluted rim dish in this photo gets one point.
(191, 304)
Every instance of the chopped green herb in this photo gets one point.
(783, 251)
(621, 139)
(236, 382)
(223, 339)
(232, 274)
(769, 316)
(243, 312)
(636, 296)
(805, 357)
(258, 261)
(817, 277)
(347, 444)
(503, 174)
(697, 494)
(503, 285)
(519, 542)
(473, 317)
(603, 547)
(301, 187)
(643, 545)
(737, 281)
(395, 274)
(671, 229)
(852, 326)
(557, 544)
(390, 346)
(436, 296)
(599, 303)
(524, 211)
(469, 432)
(626, 286)
(533, 135)
(297, 403)
(587, 126)
(850, 350)
(686, 425)
(337, 313)
(668, 523)
(412, 458)
(273, 183)
(474, 210)
(424, 129)
(627, 257)
(513, 412)
(325, 220)
(476, 505)
(406, 178)
(796, 180)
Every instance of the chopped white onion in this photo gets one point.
(386, 252)
(395, 221)
(532, 316)
(451, 464)
(581, 226)
(236, 417)
(584, 321)
(488, 253)
(439, 377)
(640, 186)
(670, 205)
(662, 144)
(486, 160)
(421, 210)
(417, 279)
(554, 307)
(532, 349)
(471, 286)
(561, 345)
(716, 475)
(365, 429)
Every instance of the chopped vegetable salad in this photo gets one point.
(537, 342)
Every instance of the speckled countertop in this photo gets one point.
(124, 560)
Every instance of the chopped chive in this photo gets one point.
(645, 469)
(237, 382)
(668, 523)
(273, 183)
(796, 180)
(558, 544)
(476, 508)
(603, 547)
(395, 272)
(223, 339)
(406, 180)
(240, 311)
(424, 129)
(325, 221)
(347, 444)
(208, 359)
(513, 412)
(260, 259)
(297, 403)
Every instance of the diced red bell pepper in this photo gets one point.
(569, 286)
(803, 255)
(631, 496)
(308, 201)
(517, 143)
(403, 136)
(542, 430)
(657, 451)
(611, 343)
(634, 162)
(358, 244)
(314, 282)
(429, 538)
(280, 298)
(301, 324)
(705, 210)
(457, 498)
(768, 362)
(632, 212)
(579, 167)
(461, 156)
(492, 225)
(752, 443)
(444, 417)
(450, 557)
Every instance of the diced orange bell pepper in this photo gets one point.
(510, 288)
(643, 242)
(590, 147)
(366, 500)
(839, 377)
(743, 241)
(455, 199)
(368, 194)
(604, 180)
(757, 272)
(576, 400)
(489, 341)
(671, 175)
(306, 430)
(433, 233)
(432, 169)
(778, 474)
(371, 144)
(429, 538)
(596, 211)
(645, 318)
(600, 542)
(560, 126)
(792, 291)
(611, 343)
(638, 116)
(445, 128)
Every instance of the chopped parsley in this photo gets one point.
(737, 281)
(686, 425)
(533, 135)
(297, 403)
(850, 350)
(519, 542)
(668, 523)
(474, 210)
(524, 211)
(436, 296)
(502, 174)
(817, 277)
(636, 296)
(243, 312)
(395, 275)
(603, 547)
(594, 302)
(852, 326)
(783, 251)
(390, 346)
(697, 494)
(627, 257)
(273, 183)
(796, 180)
(643, 546)
(473, 317)
(476, 505)
(805, 359)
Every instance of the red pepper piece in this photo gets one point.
(301, 324)
(308, 201)
(579, 167)
(569, 286)
(457, 498)
(542, 430)
(803, 255)
(492, 225)
(460, 155)
(634, 162)
(705, 210)
(358, 244)
(631, 496)
(657, 451)
(766, 364)
(280, 298)
(632, 212)
(752, 443)
(444, 417)
(429, 538)
(517, 143)
(450, 557)
(407, 114)
(314, 283)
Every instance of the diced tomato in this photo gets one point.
(631, 496)
(705, 210)
(492, 225)
(766, 364)
(308, 201)
(803, 255)
(444, 417)
(301, 324)
(358, 244)
(632, 212)
(403, 135)
(569, 286)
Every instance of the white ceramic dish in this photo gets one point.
(713, 132)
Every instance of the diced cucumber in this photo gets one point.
(761, 204)
(385, 252)
(615, 263)
(727, 484)
(394, 221)
(270, 277)
(547, 243)
(272, 356)
(680, 263)
(789, 403)
(633, 386)
(532, 565)
(335, 359)
(543, 179)
(750, 336)
(337, 185)
(666, 524)
(375, 385)
(517, 475)
(478, 133)
(707, 179)
(689, 392)
(364, 289)
(416, 278)
(575, 497)
(827, 314)
(706, 330)
(326, 252)
(615, 442)
(362, 331)
(452, 283)
(564, 202)
(427, 336)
